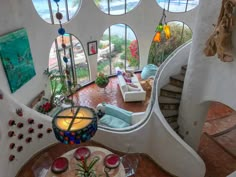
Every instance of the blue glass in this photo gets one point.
(67, 133)
(56, 1)
(61, 31)
(77, 141)
(65, 59)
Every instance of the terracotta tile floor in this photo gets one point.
(92, 95)
(218, 143)
(40, 163)
(218, 161)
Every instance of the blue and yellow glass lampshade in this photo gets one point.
(75, 125)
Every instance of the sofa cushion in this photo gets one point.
(123, 84)
(119, 113)
(131, 88)
(113, 122)
(149, 70)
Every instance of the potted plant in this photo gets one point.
(102, 80)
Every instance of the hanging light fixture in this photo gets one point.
(162, 26)
(75, 125)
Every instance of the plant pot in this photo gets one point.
(103, 85)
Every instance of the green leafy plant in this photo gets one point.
(57, 84)
(102, 80)
(86, 170)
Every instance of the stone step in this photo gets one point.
(177, 80)
(167, 103)
(172, 119)
(183, 69)
(171, 91)
(174, 126)
(169, 113)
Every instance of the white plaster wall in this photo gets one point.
(8, 106)
(207, 78)
(155, 137)
(89, 24)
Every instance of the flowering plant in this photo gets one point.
(46, 107)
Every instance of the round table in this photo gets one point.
(98, 167)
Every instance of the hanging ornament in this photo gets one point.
(61, 31)
(59, 15)
(167, 31)
(161, 27)
(157, 37)
(65, 59)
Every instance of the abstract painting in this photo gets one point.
(16, 58)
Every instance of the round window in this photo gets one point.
(47, 10)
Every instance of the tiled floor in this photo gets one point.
(218, 142)
(39, 165)
(93, 95)
(218, 162)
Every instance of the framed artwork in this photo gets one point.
(16, 58)
(92, 48)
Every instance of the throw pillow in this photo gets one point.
(119, 113)
(113, 122)
(130, 88)
(133, 85)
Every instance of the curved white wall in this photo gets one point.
(88, 25)
(8, 108)
(207, 78)
(155, 137)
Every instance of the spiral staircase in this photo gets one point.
(170, 96)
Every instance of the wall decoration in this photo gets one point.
(220, 41)
(92, 47)
(16, 58)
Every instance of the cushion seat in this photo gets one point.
(60, 165)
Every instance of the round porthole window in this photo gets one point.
(116, 7)
(178, 5)
(47, 10)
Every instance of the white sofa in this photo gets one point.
(128, 94)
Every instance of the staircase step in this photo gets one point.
(183, 69)
(174, 126)
(168, 103)
(171, 91)
(177, 80)
(169, 113)
(172, 119)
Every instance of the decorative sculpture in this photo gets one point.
(220, 42)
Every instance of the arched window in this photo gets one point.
(79, 70)
(159, 51)
(116, 7)
(47, 9)
(118, 48)
(178, 5)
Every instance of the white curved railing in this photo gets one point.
(153, 135)
(196, 166)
